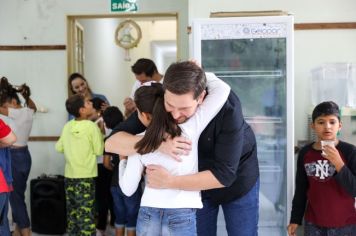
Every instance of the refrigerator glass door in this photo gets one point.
(255, 66)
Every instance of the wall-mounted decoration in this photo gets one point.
(127, 35)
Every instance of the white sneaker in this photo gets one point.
(110, 231)
(100, 232)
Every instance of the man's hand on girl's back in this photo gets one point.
(176, 147)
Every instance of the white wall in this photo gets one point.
(44, 22)
(311, 47)
(105, 68)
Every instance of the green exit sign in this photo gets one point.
(123, 5)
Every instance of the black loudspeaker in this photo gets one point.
(48, 205)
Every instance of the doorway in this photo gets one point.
(105, 64)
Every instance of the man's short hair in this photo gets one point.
(144, 65)
(184, 77)
(325, 109)
(74, 103)
(112, 116)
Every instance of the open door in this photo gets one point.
(93, 51)
(75, 47)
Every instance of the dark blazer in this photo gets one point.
(227, 147)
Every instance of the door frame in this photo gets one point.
(71, 25)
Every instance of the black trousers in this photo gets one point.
(104, 201)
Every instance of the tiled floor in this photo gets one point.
(35, 234)
(221, 231)
(109, 232)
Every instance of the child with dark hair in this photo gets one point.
(112, 116)
(97, 103)
(325, 180)
(104, 200)
(96, 116)
(125, 208)
(20, 118)
(81, 142)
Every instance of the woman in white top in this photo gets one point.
(21, 119)
(169, 211)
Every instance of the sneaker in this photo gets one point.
(100, 232)
(110, 231)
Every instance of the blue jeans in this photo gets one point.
(21, 166)
(163, 221)
(241, 215)
(4, 207)
(314, 230)
(126, 208)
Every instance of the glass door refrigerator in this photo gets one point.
(254, 55)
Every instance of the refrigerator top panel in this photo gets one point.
(244, 27)
(243, 30)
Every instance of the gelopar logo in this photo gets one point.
(265, 31)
